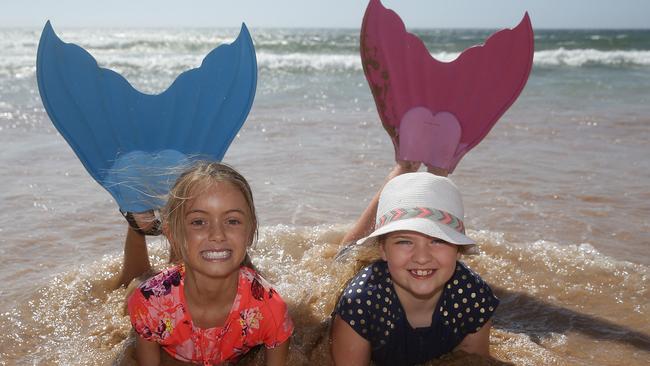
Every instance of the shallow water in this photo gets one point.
(558, 194)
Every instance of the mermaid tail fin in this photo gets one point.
(135, 144)
(435, 112)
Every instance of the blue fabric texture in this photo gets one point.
(371, 307)
(134, 144)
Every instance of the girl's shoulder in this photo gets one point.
(374, 276)
(369, 303)
(256, 288)
(467, 302)
(162, 283)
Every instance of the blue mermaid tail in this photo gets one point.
(133, 144)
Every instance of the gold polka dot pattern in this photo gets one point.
(370, 306)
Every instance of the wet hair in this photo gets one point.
(190, 184)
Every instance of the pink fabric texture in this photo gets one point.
(158, 313)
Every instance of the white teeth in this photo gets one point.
(216, 254)
(422, 272)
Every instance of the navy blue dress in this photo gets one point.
(371, 307)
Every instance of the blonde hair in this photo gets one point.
(192, 183)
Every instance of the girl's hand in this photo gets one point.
(403, 166)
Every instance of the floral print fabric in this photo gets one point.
(258, 316)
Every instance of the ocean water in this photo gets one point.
(558, 194)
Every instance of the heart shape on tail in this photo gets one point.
(428, 138)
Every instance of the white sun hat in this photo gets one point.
(425, 203)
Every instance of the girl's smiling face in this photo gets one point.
(218, 229)
(419, 265)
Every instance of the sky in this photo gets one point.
(324, 13)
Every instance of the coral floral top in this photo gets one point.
(258, 316)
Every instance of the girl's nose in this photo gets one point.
(216, 232)
(422, 254)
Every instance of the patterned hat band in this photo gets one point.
(424, 213)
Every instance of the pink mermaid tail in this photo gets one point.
(435, 112)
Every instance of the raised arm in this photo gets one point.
(366, 222)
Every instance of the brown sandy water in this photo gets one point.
(560, 305)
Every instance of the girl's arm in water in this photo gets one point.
(277, 356)
(477, 343)
(348, 347)
(366, 222)
(147, 353)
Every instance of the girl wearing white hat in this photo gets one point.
(418, 302)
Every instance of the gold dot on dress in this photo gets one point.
(352, 322)
(481, 320)
(384, 309)
(469, 285)
(360, 311)
(349, 301)
(464, 300)
(358, 301)
(362, 321)
(472, 295)
(491, 308)
(445, 313)
(482, 310)
(460, 290)
(455, 305)
(368, 302)
(455, 282)
(460, 315)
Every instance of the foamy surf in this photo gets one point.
(544, 317)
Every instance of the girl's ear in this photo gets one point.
(382, 249)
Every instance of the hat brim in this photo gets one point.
(423, 226)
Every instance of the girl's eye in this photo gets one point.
(403, 242)
(233, 221)
(197, 222)
(438, 241)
